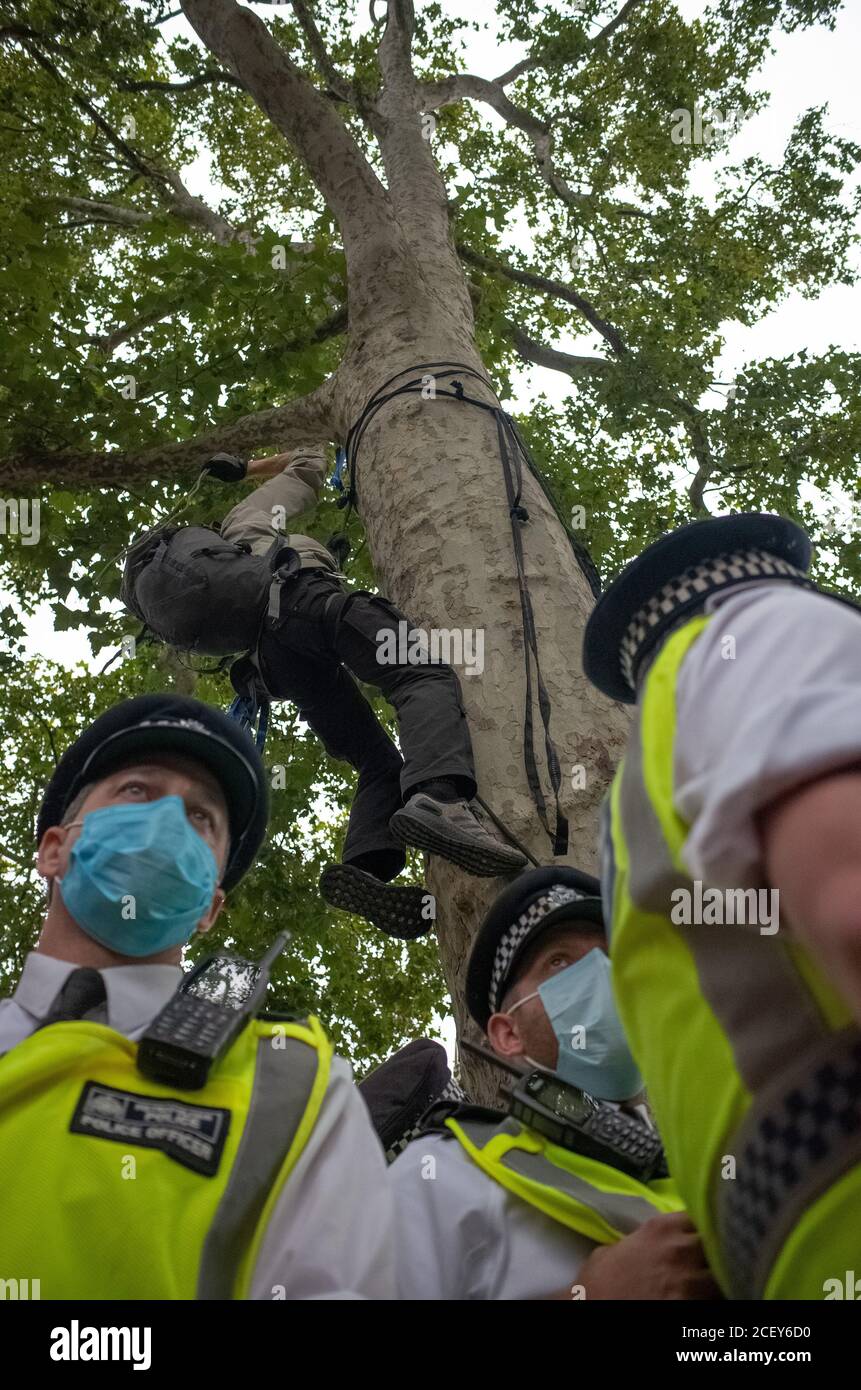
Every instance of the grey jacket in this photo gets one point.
(262, 516)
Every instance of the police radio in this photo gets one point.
(576, 1121)
(204, 1017)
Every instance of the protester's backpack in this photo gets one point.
(196, 591)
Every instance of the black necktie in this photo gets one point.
(84, 989)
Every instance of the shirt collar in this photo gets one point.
(135, 993)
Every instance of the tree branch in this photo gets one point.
(108, 213)
(395, 49)
(532, 281)
(416, 186)
(300, 421)
(23, 861)
(569, 195)
(350, 187)
(692, 419)
(533, 351)
(332, 327)
(109, 342)
(128, 84)
(22, 32)
(179, 201)
(189, 208)
(546, 57)
(184, 206)
(466, 86)
(50, 732)
(610, 29)
(523, 66)
(338, 84)
(123, 84)
(130, 156)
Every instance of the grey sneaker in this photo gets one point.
(452, 830)
(397, 911)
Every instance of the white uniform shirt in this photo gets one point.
(331, 1230)
(461, 1235)
(784, 709)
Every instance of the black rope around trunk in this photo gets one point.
(513, 453)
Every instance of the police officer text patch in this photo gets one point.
(194, 1135)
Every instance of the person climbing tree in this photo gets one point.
(280, 600)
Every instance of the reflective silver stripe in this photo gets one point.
(794, 1143)
(625, 1214)
(283, 1081)
(749, 981)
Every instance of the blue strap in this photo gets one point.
(242, 710)
(263, 725)
(248, 711)
(338, 475)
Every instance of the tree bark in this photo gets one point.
(433, 502)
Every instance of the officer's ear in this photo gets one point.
(213, 912)
(47, 860)
(49, 856)
(52, 853)
(503, 1035)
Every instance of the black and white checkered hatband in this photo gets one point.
(689, 590)
(510, 941)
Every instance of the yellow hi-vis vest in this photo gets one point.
(751, 1059)
(596, 1200)
(115, 1187)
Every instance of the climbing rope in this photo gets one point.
(347, 458)
(513, 454)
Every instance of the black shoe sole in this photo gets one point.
(484, 863)
(397, 911)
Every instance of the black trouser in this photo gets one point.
(321, 625)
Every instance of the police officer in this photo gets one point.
(487, 1207)
(268, 1182)
(732, 866)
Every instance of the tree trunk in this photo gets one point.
(433, 501)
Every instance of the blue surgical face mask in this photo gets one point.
(593, 1052)
(139, 877)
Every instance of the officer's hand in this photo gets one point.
(664, 1258)
(226, 467)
